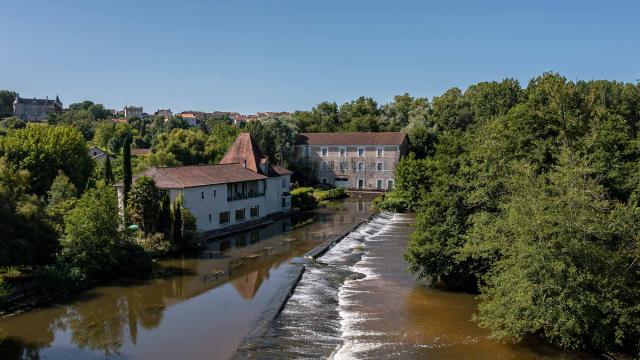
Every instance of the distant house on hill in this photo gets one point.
(132, 111)
(35, 109)
(243, 187)
(354, 160)
(95, 153)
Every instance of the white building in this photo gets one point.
(242, 188)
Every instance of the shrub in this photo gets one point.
(390, 202)
(331, 194)
(154, 244)
(303, 199)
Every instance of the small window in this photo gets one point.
(324, 180)
(202, 195)
(210, 217)
(379, 184)
(390, 185)
(361, 152)
(380, 152)
(324, 151)
(343, 152)
(343, 166)
(284, 183)
(379, 166)
(254, 211)
(360, 183)
(225, 217)
(240, 214)
(214, 192)
(360, 166)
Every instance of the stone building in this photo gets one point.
(132, 111)
(354, 160)
(35, 109)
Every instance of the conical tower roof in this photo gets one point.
(245, 150)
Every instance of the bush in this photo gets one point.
(331, 194)
(303, 199)
(154, 244)
(60, 278)
(5, 291)
(390, 202)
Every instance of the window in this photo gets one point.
(324, 180)
(380, 152)
(225, 217)
(284, 202)
(306, 151)
(360, 166)
(202, 195)
(360, 183)
(324, 151)
(343, 152)
(229, 192)
(361, 152)
(254, 211)
(210, 217)
(389, 184)
(379, 166)
(379, 184)
(240, 214)
(214, 192)
(343, 166)
(284, 183)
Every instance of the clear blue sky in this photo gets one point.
(252, 56)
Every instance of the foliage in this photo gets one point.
(7, 97)
(27, 236)
(62, 189)
(154, 244)
(108, 171)
(94, 240)
(390, 202)
(45, 150)
(302, 199)
(530, 197)
(276, 138)
(13, 123)
(143, 205)
(331, 194)
(305, 172)
(126, 171)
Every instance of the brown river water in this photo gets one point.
(356, 301)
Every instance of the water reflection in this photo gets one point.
(109, 321)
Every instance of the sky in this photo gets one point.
(250, 56)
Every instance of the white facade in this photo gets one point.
(210, 203)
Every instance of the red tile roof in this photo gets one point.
(281, 170)
(244, 149)
(140, 152)
(198, 175)
(352, 138)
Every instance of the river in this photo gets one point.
(355, 301)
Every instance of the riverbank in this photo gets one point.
(357, 301)
(203, 307)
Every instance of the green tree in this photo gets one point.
(45, 150)
(62, 189)
(108, 171)
(176, 225)
(143, 204)
(7, 97)
(126, 170)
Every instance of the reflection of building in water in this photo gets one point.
(248, 284)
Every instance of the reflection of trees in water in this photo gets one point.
(100, 319)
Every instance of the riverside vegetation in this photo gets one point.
(530, 197)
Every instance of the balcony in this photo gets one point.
(241, 196)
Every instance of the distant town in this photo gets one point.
(38, 109)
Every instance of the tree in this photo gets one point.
(566, 260)
(7, 97)
(361, 114)
(62, 189)
(164, 218)
(108, 172)
(143, 204)
(45, 150)
(13, 123)
(275, 137)
(126, 170)
(94, 241)
(176, 225)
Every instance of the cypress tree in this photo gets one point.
(176, 227)
(126, 169)
(164, 220)
(108, 172)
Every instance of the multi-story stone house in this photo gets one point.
(243, 188)
(132, 111)
(35, 109)
(355, 160)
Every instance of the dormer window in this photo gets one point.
(380, 151)
(361, 152)
(343, 152)
(324, 151)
